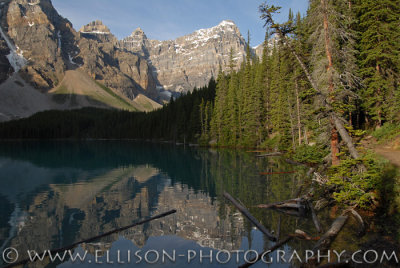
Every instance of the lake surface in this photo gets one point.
(56, 193)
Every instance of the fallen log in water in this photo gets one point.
(292, 203)
(294, 207)
(247, 214)
(298, 234)
(63, 249)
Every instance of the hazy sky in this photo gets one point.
(169, 19)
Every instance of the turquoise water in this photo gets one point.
(56, 193)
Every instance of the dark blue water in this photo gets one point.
(56, 193)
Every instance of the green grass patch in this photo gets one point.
(62, 90)
(113, 94)
(387, 133)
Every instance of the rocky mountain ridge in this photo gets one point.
(42, 46)
(191, 60)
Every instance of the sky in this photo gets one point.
(169, 19)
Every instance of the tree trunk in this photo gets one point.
(379, 125)
(298, 109)
(346, 137)
(291, 124)
(351, 118)
(329, 69)
(334, 144)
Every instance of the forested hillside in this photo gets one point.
(177, 121)
(343, 57)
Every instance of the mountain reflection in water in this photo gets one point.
(56, 193)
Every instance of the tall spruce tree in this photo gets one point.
(379, 58)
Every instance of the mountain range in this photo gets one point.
(45, 64)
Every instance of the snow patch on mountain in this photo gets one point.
(15, 57)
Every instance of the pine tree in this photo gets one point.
(219, 107)
(231, 124)
(379, 58)
(250, 113)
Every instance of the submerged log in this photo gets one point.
(251, 218)
(314, 217)
(327, 239)
(359, 220)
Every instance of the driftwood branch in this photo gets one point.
(54, 251)
(251, 218)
